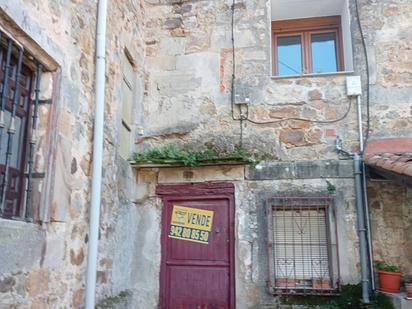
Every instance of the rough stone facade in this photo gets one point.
(43, 264)
(252, 188)
(182, 56)
(390, 209)
(189, 67)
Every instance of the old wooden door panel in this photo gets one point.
(218, 248)
(193, 286)
(194, 275)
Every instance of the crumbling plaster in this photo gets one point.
(189, 68)
(183, 59)
(252, 187)
(44, 265)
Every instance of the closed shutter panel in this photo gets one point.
(125, 140)
(300, 247)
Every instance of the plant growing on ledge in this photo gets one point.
(330, 188)
(173, 155)
(389, 277)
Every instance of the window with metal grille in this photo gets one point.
(19, 101)
(303, 255)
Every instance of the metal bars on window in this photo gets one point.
(18, 123)
(11, 129)
(302, 247)
(28, 205)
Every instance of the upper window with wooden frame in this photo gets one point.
(308, 45)
(311, 37)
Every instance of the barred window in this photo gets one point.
(302, 250)
(19, 100)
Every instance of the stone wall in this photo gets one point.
(391, 216)
(388, 41)
(182, 54)
(43, 264)
(188, 102)
(252, 187)
(189, 68)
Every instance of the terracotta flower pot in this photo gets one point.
(408, 288)
(389, 281)
(285, 282)
(321, 284)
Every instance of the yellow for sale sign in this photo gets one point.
(191, 224)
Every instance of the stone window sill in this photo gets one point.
(12, 223)
(342, 73)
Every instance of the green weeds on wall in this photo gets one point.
(330, 188)
(113, 301)
(174, 155)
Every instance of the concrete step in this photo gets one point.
(399, 300)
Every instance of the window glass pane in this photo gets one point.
(17, 146)
(4, 138)
(17, 141)
(323, 52)
(289, 55)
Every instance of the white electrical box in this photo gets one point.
(353, 86)
(242, 95)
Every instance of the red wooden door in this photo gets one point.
(196, 275)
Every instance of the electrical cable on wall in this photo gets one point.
(367, 218)
(365, 52)
(245, 116)
(232, 95)
(305, 119)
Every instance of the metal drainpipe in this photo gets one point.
(362, 207)
(365, 194)
(98, 135)
(357, 162)
(360, 126)
(368, 228)
(365, 247)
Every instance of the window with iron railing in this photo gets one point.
(19, 102)
(302, 247)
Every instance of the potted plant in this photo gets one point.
(389, 277)
(408, 286)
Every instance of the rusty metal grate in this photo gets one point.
(303, 253)
(18, 123)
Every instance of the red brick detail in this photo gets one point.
(321, 284)
(285, 283)
(390, 145)
(223, 56)
(330, 132)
